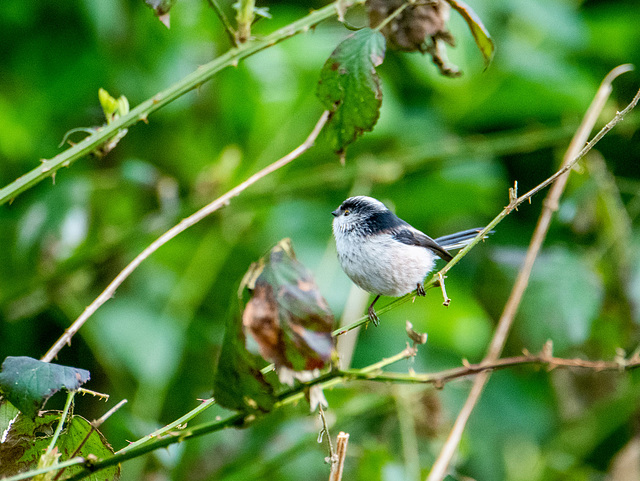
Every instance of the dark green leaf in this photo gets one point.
(27, 439)
(27, 383)
(479, 31)
(350, 88)
(238, 383)
(7, 412)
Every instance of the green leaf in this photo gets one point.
(238, 382)
(478, 30)
(349, 87)
(27, 383)
(7, 412)
(27, 439)
(113, 108)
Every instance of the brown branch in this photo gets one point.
(550, 205)
(544, 358)
(177, 229)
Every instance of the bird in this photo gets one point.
(383, 254)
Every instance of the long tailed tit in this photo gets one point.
(383, 254)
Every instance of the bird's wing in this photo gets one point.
(414, 237)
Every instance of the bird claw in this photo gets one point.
(420, 290)
(373, 317)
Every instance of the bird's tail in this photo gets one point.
(459, 239)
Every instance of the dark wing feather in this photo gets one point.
(414, 237)
(460, 239)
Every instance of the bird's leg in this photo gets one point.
(420, 290)
(373, 317)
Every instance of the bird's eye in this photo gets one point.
(346, 212)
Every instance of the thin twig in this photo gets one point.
(331, 459)
(391, 16)
(177, 229)
(231, 34)
(550, 205)
(98, 422)
(544, 358)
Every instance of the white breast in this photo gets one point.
(381, 265)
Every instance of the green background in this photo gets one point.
(443, 155)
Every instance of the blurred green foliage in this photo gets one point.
(443, 154)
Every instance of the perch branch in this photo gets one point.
(514, 203)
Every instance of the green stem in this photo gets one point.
(58, 430)
(48, 469)
(181, 420)
(204, 73)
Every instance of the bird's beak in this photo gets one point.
(336, 213)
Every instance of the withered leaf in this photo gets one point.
(286, 318)
(285, 321)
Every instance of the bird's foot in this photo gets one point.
(420, 290)
(373, 317)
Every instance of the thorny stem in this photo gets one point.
(171, 426)
(202, 74)
(544, 358)
(514, 203)
(177, 229)
(63, 418)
